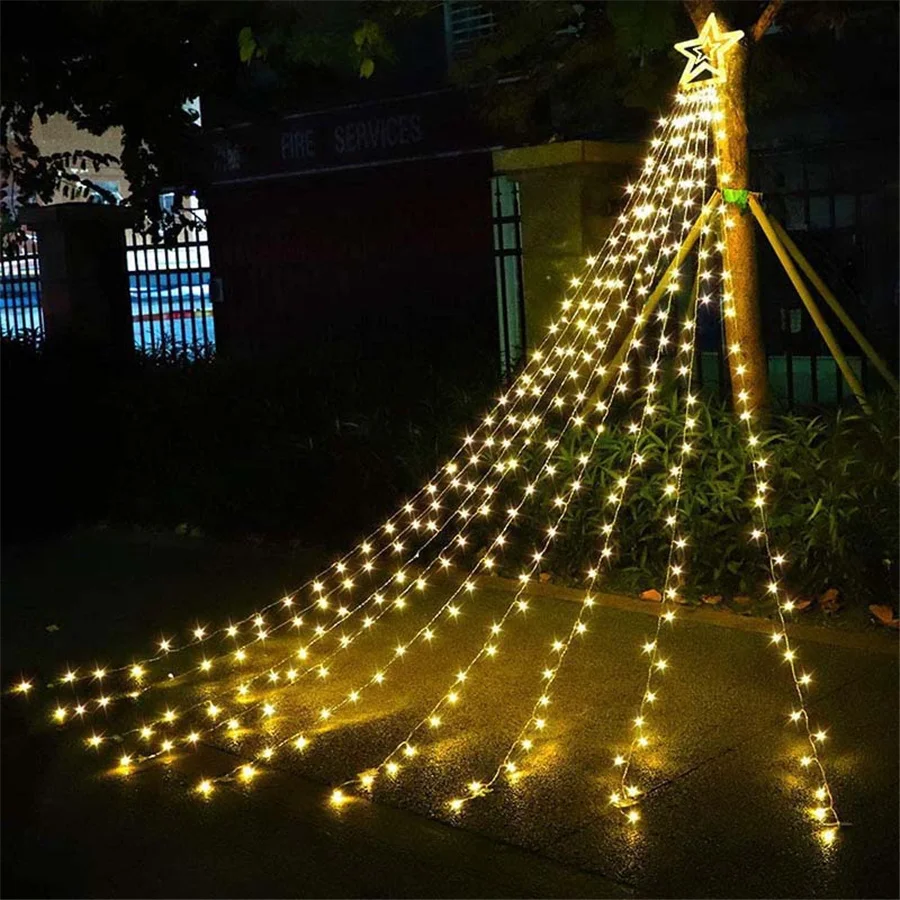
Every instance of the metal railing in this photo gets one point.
(169, 283)
(20, 290)
(507, 224)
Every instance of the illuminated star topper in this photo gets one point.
(706, 54)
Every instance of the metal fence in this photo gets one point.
(20, 291)
(802, 372)
(169, 283)
(798, 377)
(507, 222)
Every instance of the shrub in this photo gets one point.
(833, 509)
(313, 446)
(319, 446)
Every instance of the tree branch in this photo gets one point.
(765, 19)
(699, 11)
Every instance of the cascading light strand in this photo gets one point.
(535, 725)
(629, 793)
(318, 666)
(487, 651)
(202, 634)
(138, 670)
(452, 696)
(426, 630)
(292, 679)
(537, 721)
(821, 808)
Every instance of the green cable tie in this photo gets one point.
(738, 197)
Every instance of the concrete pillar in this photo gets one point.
(570, 194)
(84, 281)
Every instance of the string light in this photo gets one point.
(232, 630)
(379, 677)
(258, 623)
(824, 814)
(537, 722)
(543, 700)
(490, 650)
(564, 385)
(628, 793)
(205, 787)
(201, 634)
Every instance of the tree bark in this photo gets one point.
(733, 153)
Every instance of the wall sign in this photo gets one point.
(364, 134)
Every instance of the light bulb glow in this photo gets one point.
(389, 571)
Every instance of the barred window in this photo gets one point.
(465, 22)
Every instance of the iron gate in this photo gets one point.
(169, 283)
(20, 290)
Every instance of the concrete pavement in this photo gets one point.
(726, 817)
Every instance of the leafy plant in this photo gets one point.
(833, 509)
(320, 445)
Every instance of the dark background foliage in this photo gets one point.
(605, 64)
(316, 448)
(303, 447)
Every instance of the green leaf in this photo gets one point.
(246, 44)
(366, 68)
(816, 510)
(367, 35)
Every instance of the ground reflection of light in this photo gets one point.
(634, 835)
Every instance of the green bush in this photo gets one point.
(833, 503)
(313, 447)
(320, 446)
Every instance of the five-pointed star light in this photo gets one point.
(706, 54)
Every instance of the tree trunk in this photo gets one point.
(734, 172)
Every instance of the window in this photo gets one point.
(465, 21)
(820, 213)
(791, 320)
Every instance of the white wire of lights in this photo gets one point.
(377, 678)
(628, 794)
(823, 813)
(167, 716)
(536, 723)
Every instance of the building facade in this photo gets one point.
(405, 213)
(389, 212)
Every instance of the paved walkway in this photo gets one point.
(726, 819)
